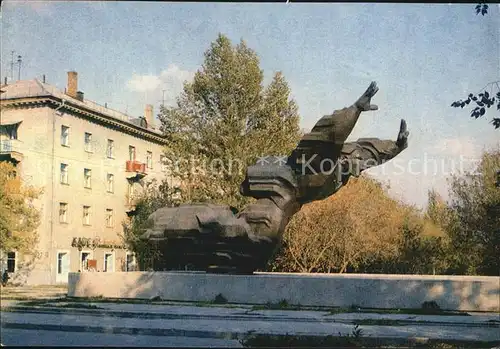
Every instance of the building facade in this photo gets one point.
(90, 162)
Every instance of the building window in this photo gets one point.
(149, 159)
(86, 215)
(11, 262)
(87, 178)
(108, 262)
(65, 135)
(9, 131)
(88, 142)
(110, 183)
(109, 218)
(64, 173)
(62, 263)
(63, 212)
(131, 153)
(84, 261)
(111, 149)
(59, 263)
(163, 163)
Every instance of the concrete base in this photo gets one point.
(467, 293)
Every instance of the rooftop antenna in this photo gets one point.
(19, 72)
(12, 66)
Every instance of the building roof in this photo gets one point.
(35, 89)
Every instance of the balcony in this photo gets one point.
(10, 150)
(135, 170)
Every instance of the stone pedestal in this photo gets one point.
(468, 293)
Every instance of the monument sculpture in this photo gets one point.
(214, 238)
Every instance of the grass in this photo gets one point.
(354, 339)
(281, 305)
(351, 340)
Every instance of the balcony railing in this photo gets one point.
(135, 166)
(6, 145)
(10, 150)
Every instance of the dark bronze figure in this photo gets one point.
(213, 238)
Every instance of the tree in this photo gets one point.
(224, 120)
(358, 229)
(475, 200)
(484, 99)
(154, 196)
(19, 218)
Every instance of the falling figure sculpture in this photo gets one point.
(212, 238)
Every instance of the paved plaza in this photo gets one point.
(120, 324)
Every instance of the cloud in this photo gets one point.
(144, 83)
(170, 80)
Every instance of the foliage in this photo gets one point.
(224, 120)
(19, 218)
(345, 233)
(349, 340)
(419, 253)
(483, 99)
(481, 8)
(153, 196)
(475, 201)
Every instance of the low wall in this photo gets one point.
(469, 293)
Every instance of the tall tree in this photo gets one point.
(224, 120)
(475, 199)
(19, 218)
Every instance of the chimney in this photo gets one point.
(148, 115)
(72, 84)
(79, 96)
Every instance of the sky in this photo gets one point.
(422, 56)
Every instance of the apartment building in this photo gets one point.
(90, 161)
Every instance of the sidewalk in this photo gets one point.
(235, 322)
